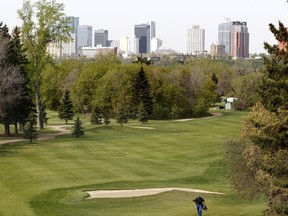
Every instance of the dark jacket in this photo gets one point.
(199, 200)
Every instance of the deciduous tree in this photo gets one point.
(43, 23)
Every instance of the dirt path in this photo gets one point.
(61, 129)
(140, 192)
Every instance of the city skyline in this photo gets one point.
(172, 18)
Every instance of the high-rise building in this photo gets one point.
(101, 38)
(60, 48)
(70, 49)
(152, 29)
(240, 40)
(235, 36)
(142, 31)
(224, 35)
(196, 40)
(84, 37)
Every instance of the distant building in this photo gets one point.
(217, 51)
(164, 50)
(196, 40)
(224, 35)
(129, 46)
(101, 38)
(93, 52)
(240, 40)
(156, 43)
(61, 49)
(142, 31)
(235, 36)
(84, 37)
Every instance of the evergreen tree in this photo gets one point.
(66, 108)
(78, 129)
(141, 93)
(105, 112)
(96, 117)
(30, 127)
(12, 82)
(17, 57)
(143, 114)
(121, 117)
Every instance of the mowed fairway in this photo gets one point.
(49, 178)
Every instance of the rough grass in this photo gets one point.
(50, 177)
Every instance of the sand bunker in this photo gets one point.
(140, 192)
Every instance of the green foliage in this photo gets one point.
(78, 129)
(66, 108)
(15, 103)
(121, 116)
(142, 98)
(42, 23)
(264, 147)
(30, 131)
(96, 117)
(143, 115)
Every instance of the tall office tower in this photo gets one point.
(70, 49)
(60, 48)
(101, 38)
(142, 31)
(152, 29)
(224, 35)
(84, 37)
(240, 40)
(196, 40)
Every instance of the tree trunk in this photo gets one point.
(7, 129)
(16, 128)
(38, 107)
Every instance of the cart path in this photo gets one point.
(140, 192)
(61, 130)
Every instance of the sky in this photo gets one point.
(173, 18)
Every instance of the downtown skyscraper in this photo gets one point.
(84, 37)
(101, 38)
(195, 40)
(142, 31)
(240, 40)
(234, 36)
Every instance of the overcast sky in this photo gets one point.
(173, 18)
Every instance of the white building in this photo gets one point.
(156, 43)
(92, 52)
(195, 40)
(129, 45)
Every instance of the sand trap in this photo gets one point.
(149, 128)
(140, 192)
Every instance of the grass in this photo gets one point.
(50, 178)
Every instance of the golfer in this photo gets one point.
(199, 201)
